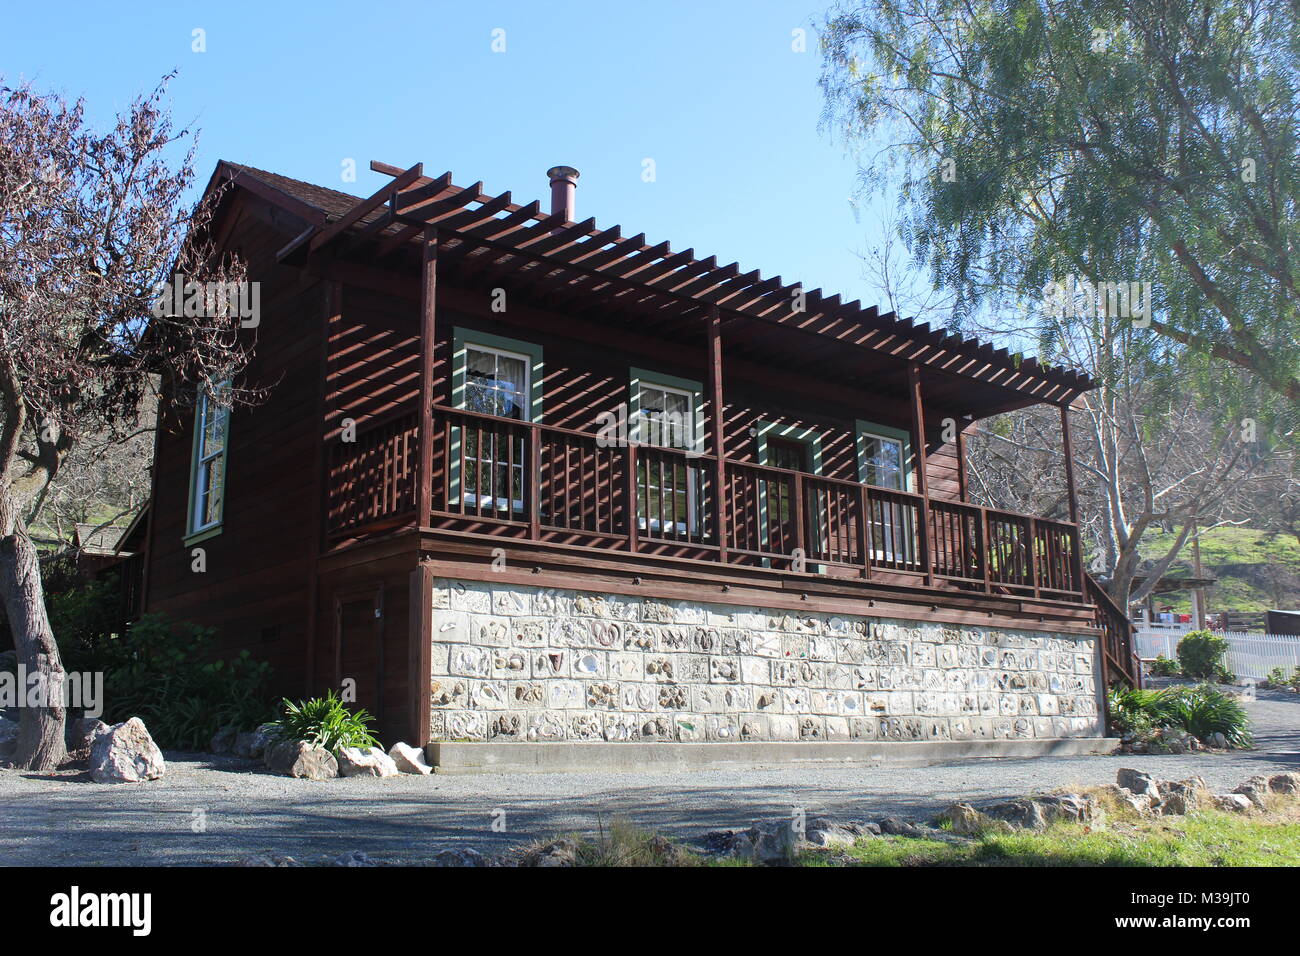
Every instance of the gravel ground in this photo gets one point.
(216, 810)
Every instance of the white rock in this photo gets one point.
(125, 753)
(409, 759)
(365, 762)
(1233, 802)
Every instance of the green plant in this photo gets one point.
(1201, 711)
(1277, 677)
(324, 721)
(166, 674)
(1201, 654)
(1164, 667)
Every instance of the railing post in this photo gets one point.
(864, 531)
(535, 482)
(721, 508)
(982, 537)
(631, 499)
(1033, 554)
(800, 539)
(918, 452)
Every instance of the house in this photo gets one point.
(521, 480)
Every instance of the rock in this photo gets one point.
(893, 826)
(1284, 783)
(1254, 790)
(365, 762)
(827, 835)
(1232, 802)
(557, 853)
(125, 753)
(1218, 741)
(1023, 813)
(355, 858)
(1137, 782)
(298, 758)
(409, 759)
(267, 859)
(967, 821)
(466, 857)
(253, 744)
(769, 845)
(223, 741)
(1181, 797)
(1070, 807)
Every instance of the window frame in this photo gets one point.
(195, 530)
(531, 353)
(862, 430)
(638, 377)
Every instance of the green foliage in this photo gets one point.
(1201, 653)
(165, 674)
(1200, 711)
(324, 721)
(1254, 570)
(1164, 667)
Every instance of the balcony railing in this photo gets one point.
(560, 485)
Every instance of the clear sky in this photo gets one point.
(713, 93)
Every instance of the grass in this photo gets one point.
(1255, 572)
(1207, 838)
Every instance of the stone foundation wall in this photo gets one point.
(513, 663)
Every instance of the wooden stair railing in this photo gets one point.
(1118, 657)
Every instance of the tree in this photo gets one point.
(1147, 141)
(91, 225)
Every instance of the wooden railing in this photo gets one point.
(559, 484)
(1119, 660)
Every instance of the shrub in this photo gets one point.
(324, 721)
(1277, 677)
(1201, 654)
(1164, 667)
(165, 674)
(1200, 711)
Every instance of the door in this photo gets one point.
(359, 648)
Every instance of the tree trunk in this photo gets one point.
(40, 728)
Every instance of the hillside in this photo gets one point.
(1256, 571)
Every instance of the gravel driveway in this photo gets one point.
(213, 810)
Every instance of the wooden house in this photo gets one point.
(521, 480)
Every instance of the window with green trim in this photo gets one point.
(208, 467)
(885, 461)
(665, 411)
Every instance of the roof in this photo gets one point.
(581, 266)
(98, 539)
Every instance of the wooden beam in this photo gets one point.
(366, 206)
(420, 648)
(721, 510)
(428, 328)
(918, 452)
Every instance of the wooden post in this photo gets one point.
(1067, 446)
(420, 642)
(721, 509)
(918, 452)
(428, 329)
(533, 491)
(633, 506)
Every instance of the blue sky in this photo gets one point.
(713, 93)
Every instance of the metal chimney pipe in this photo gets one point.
(564, 183)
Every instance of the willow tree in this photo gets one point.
(92, 223)
(1118, 140)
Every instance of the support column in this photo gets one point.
(719, 442)
(428, 328)
(918, 455)
(1067, 445)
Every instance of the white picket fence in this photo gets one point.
(1250, 653)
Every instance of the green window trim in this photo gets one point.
(531, 351)
(861, 429)
(195, 533)
(811, 437)
(638, 376)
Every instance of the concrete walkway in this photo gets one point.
(211, 810)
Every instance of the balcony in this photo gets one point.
(565, 487)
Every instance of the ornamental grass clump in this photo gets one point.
(325, 722)
(1201, 711)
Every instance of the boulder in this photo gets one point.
(365, 762)
(355, 858)
(223, 741)
(1232, 802)
(253, 743)
(81, 734)
(893, 826)
(1070, 807)
(409, 759)
(1135, 781)
(1218, 741)
(125, 753)
(967, 821)
(1284, 783)
(1023, 813)
(1143, 804)
(556, 853)
(1254, 790)
(1180, 797)
(466, 857)
(267, 859)
(298, 758)
(828, 835)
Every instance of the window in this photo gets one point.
(500, 377)
(885, 461)
(794, 449)
(668, 412)
(208, 470)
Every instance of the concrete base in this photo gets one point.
(560, 757)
